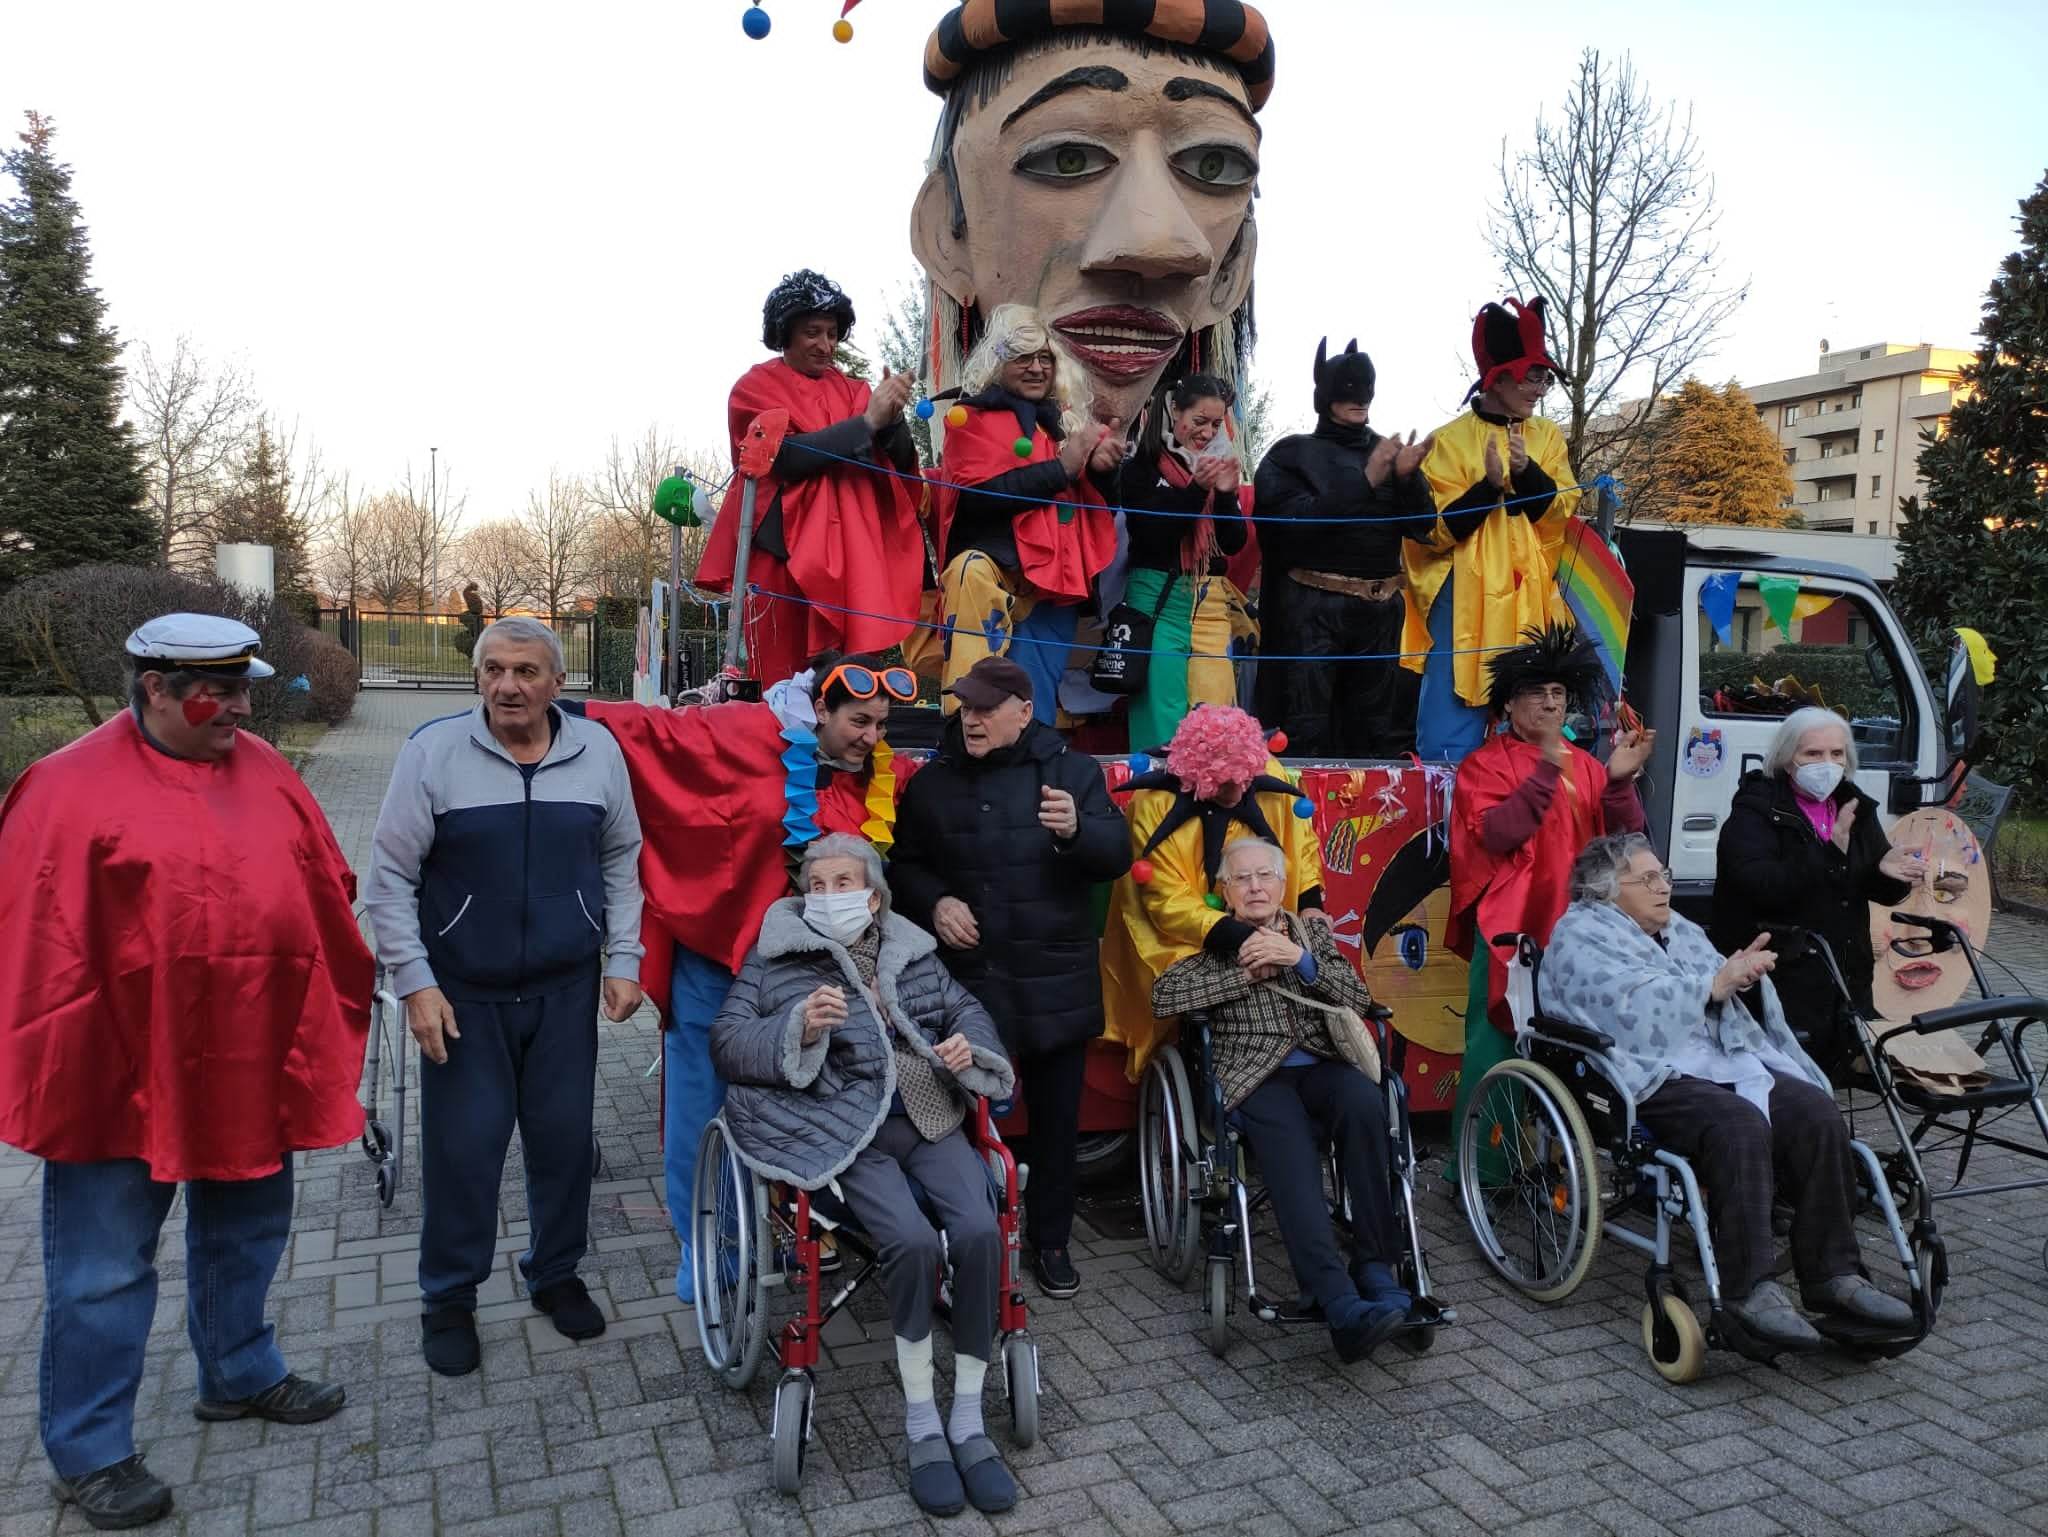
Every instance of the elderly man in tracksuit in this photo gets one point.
(504, 884)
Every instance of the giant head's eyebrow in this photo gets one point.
(1090, 77)
(1185, 88)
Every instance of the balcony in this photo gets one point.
(1838, 467)
(1826, 423)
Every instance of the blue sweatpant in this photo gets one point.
(1446, 728)
(530, 1064)
(1052, 626)
(690, 1090)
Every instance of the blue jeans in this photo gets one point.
(690, 1090)
(100, 1227)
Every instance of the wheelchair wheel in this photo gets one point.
(794, 1396)
(1173, 1216)
(1673, 1338)
(1527, 1179)
(1218, 1290)
(729, 1238)
(1020, 1385)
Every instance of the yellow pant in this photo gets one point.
(1220, 617)
(984, 602)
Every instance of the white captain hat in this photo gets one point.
(208, 643)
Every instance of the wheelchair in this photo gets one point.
(1196, 1188)
(1550, 1153)
(751, 1236)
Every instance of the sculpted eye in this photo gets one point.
(1216, 165)
(1067, 162)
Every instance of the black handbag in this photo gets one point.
(1124, 661)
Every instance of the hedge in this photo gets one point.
(1840, 672)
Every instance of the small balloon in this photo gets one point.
(842, 30)
(755, 23)
(1141, 871)
(924, 410)
(1139, 763)
(1022, 448)
(957, 417)
(1570, 735)
(1214, 901)
(1304, 807)
(1277, 743)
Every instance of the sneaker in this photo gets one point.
(1768, 1314)
(114, 1498)
(448, 1341)
(1853, 1296)
(1055, 1273)
(568, 1304)
(292, 1401)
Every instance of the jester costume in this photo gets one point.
(1160, 912)
(1487, 570)
(1022, 543)
(833, 527)
(728, 795)
(1517, 823)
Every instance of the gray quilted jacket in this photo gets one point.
(800, 1113)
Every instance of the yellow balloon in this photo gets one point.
(842, 29)
(957, 417)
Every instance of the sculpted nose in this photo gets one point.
(1144, 227)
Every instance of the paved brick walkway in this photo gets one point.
(1524, 1418)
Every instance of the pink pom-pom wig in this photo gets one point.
(1216, 745)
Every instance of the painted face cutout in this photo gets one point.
(1954, 889)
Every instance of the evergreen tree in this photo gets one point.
(71, 488)
(1976, 551)
(1715, 460)
(258, 509)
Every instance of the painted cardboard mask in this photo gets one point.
(1956, 889)
(1101, 171)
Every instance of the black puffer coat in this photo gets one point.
(968, 828)
(1772, 872)
(800, 1113)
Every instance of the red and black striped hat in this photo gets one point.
(1228, 28)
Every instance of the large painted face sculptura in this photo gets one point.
(1955, 888)
(1102, 174)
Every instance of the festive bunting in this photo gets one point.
(1717, 602)
(1781, 600)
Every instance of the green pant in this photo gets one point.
(1484, 1046)
(1155, 713)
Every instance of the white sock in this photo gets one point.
(965, 1421)
(920, 1408)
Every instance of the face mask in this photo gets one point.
(838, 915)
(1818, 780)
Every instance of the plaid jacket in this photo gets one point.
(1251, 1027)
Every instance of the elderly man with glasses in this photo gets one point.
(1504, 492)
(1732, 1091)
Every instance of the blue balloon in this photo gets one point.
(1139, 763)
(925, 410)
(1304, 807)
(756, 23)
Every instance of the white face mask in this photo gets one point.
(1818, 780)
(838, 915)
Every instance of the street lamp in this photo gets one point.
(434, 533)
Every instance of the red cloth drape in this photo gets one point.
(1061, 545)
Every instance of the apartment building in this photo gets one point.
(1850, 430)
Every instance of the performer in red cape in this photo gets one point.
(1024, 534)
(728, 795)
(184, 996)
(832, 526)
(1526, 802)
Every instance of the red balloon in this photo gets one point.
(1277, 742)
(1141, 871)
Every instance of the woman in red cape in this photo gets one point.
(835, 522)
(1527, 800)
(1023, 529)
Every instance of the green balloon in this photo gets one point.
(675, 501)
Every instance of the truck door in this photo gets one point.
(1846, 645)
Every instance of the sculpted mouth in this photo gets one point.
(1918, 975)
(1120, 340)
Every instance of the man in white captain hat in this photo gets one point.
(184, 998)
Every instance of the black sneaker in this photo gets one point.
(117, 1497)
(448, 1341)
(1055, 1272)
(568, 1304)
(293, 1401)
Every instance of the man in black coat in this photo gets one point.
(1775, 873)
(1000, 840)
(1332, 508)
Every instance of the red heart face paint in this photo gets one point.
(199, 708)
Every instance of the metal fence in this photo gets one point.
(415, 649)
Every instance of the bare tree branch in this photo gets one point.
(558, 525)
(192, 422)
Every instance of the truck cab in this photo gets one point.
(1715, 704)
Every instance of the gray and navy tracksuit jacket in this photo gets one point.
(496, 883)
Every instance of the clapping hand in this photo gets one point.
(887, 403)
(1077, 449)
(824, 1010)
(1109, 447)
(1743, 968)
(1379, 464)
(1496, 472)
(1518, 450)
(1845, 823)
(1631, 752)
(1412, 453)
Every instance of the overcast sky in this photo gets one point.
(511, 231)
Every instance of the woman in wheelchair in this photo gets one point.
(1272, 985)
(1736, 1096)
(849, 1052)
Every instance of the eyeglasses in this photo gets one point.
(1043, 360)
(865, 682)
(1539, 379)
(1258, 877)
(1649, 880)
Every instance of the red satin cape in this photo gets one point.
(1062, 545)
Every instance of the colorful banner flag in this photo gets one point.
(1597, 589)
(1781, 600)
(1717, 602)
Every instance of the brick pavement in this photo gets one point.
(1525, 1418)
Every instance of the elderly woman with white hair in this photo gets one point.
(1802, 851)
(848, 1052)
(1730, 1090)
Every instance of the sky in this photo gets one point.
(512, 232)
